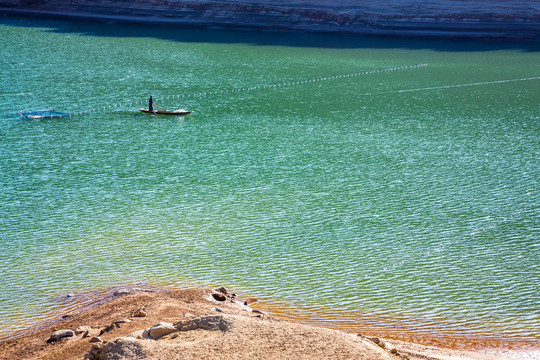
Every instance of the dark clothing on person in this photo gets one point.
(151, 104)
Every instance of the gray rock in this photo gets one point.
(122, 348)
(209, 322)
(128, 291)
(222, 290)
(108, 328)
(159, 330)
(122, 292)
(216, 309)
(91, 333)
(96, 339)
(144, 290)
(219, 297)
(60, 334)
(82, 329)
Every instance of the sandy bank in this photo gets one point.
(476, 19)
(200, 324)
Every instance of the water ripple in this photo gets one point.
(415, 211)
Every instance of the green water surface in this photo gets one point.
(349, 194)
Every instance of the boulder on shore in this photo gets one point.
(60, 334)
(209, 322)
(159, 330)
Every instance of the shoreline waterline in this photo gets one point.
(520, 33)
(385, 327)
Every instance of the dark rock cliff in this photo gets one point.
(491, 19)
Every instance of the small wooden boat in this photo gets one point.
(167, 112)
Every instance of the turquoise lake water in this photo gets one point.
(402, 201)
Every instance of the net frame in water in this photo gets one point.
(43, 114)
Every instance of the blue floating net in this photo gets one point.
(41, 114)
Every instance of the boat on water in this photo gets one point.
(166, 112)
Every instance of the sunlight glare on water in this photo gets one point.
(407, 198)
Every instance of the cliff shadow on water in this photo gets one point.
(221, 35)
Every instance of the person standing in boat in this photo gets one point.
(151, 104)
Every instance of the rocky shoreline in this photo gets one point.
(474, 19)
(199, 323)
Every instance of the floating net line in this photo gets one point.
(202, 94)
(443, 87)
(254, 88)
(307, 82)
(43, 114)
